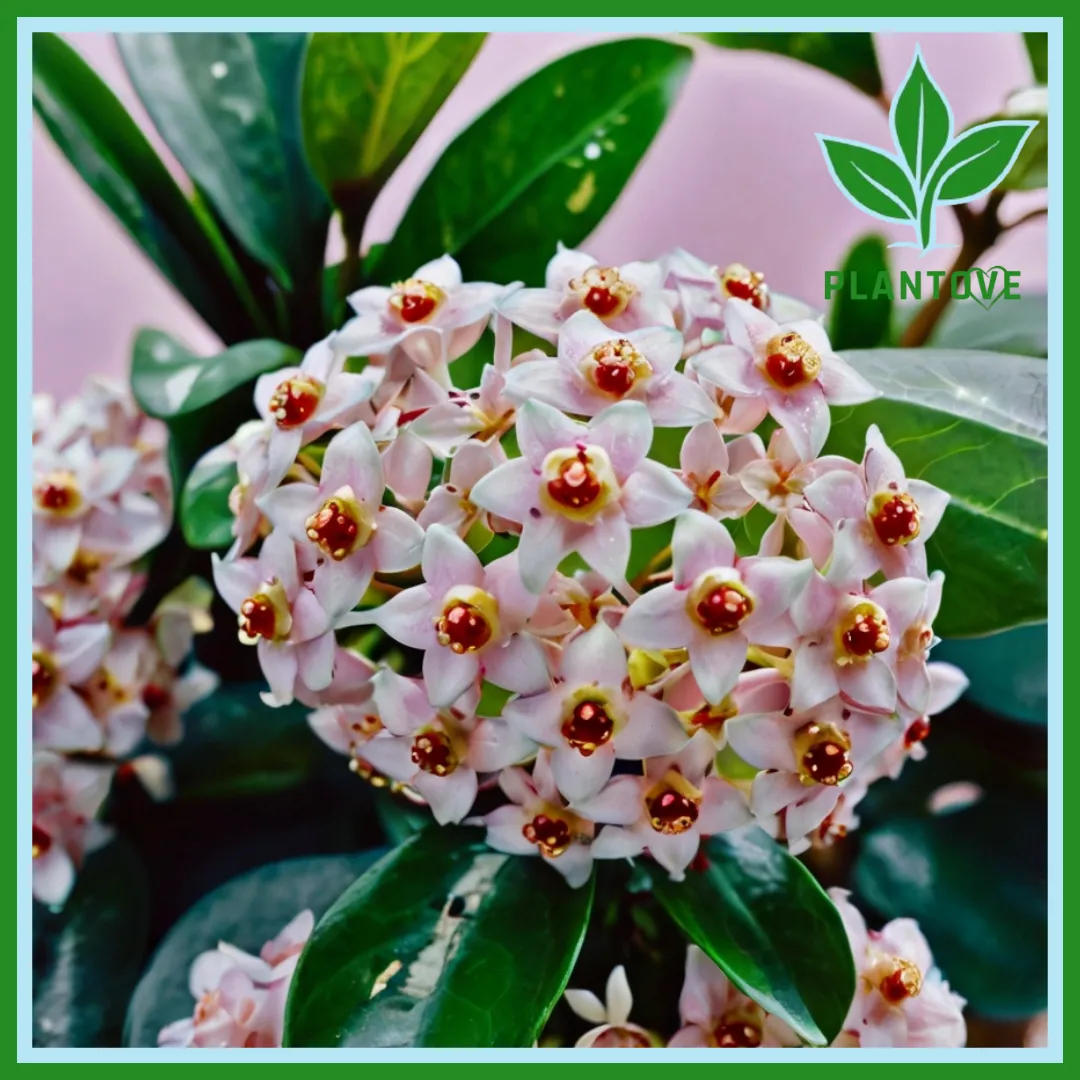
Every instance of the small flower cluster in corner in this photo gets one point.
(488, 528)
(101, 501)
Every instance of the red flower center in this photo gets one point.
(867, 634)
(737, 1035)
(463, 628)
(155, 697)
(433, 752)
(790, 361)
(904, 982)
(588, 727)
(917, 731)
(42, 842)
(416, 308)
(258, 617)
(896, 519)
(723, 609)
(827, 763)
(576, 485)
(671, 812)
(57, 493)
(601, 301)
(551, 835)
(621, 1038)
(415, 300)
(742, 283)
(295, 400)
(334, 529)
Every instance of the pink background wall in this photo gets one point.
(736, 174)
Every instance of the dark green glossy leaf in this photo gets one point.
(368, 96)
(398, 817)
(87, 957)
(234, 744)
(760, 915)
(975, 879)
(205, 516)
(442, 943)
(246, 912)
(974, 424)
(228, 105)
(112, 155)
(543, 164)
(862, 323)
(849, 56)
(1037, 47)
(168, 381)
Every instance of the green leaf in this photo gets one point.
(234, 744)
(200, 398)
(112, 155)
(1014, 326)
(169, 381)
(247, 912)
(444, 942)
(974, 424)
(921, 121)
(862, 324)
(87, 957)
(399, 817)
(1037, 47)
(871, 178)
(228, 105)
(1029, 171)
(543, 164)
(848, 56)
(366, 99)
(205, 516)
(976, 881)
(758, 913)
(748, 530)
(979, 160)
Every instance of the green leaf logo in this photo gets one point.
(930, 167)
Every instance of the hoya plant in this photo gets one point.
(495, 646)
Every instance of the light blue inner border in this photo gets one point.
(26, 1052)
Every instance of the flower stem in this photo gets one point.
(763, 657)
(657, 563)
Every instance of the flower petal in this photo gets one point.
(579, 777)
(448, 562)
(398, 542)
(716, 663)
(447, 674)
(519, 665)
(653, 494)
(625, 431)
(804, 415)
(595, 658)
(657, 620)
(814, 679)
(605, 546)
(541, 429)
(763, 740)
(651, 730)
(698, 544)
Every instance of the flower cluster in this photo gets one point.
(900, 1000)
(501, 528)
(101, 501)
(240, 998)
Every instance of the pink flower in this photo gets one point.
(62, 659)
(300, 404)
(764, 690)
(469, 620)
(536, 821)
(450, 503)
(900, 997)
(851, 640)
(712, 469)
(612, 1015)
(67, 796)
(114, 692)
(84, 498)
(806, 756)
(343, 523)
(439, 752)
(592, 716)
(667, 811)
(594, 369)
(240, 998)
(579, 488)
(424, 322)
(716, 1015)
(629, 297)
(282, 618)
(716, 605)
(703, 290)
(881, 519)
(791, 367)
